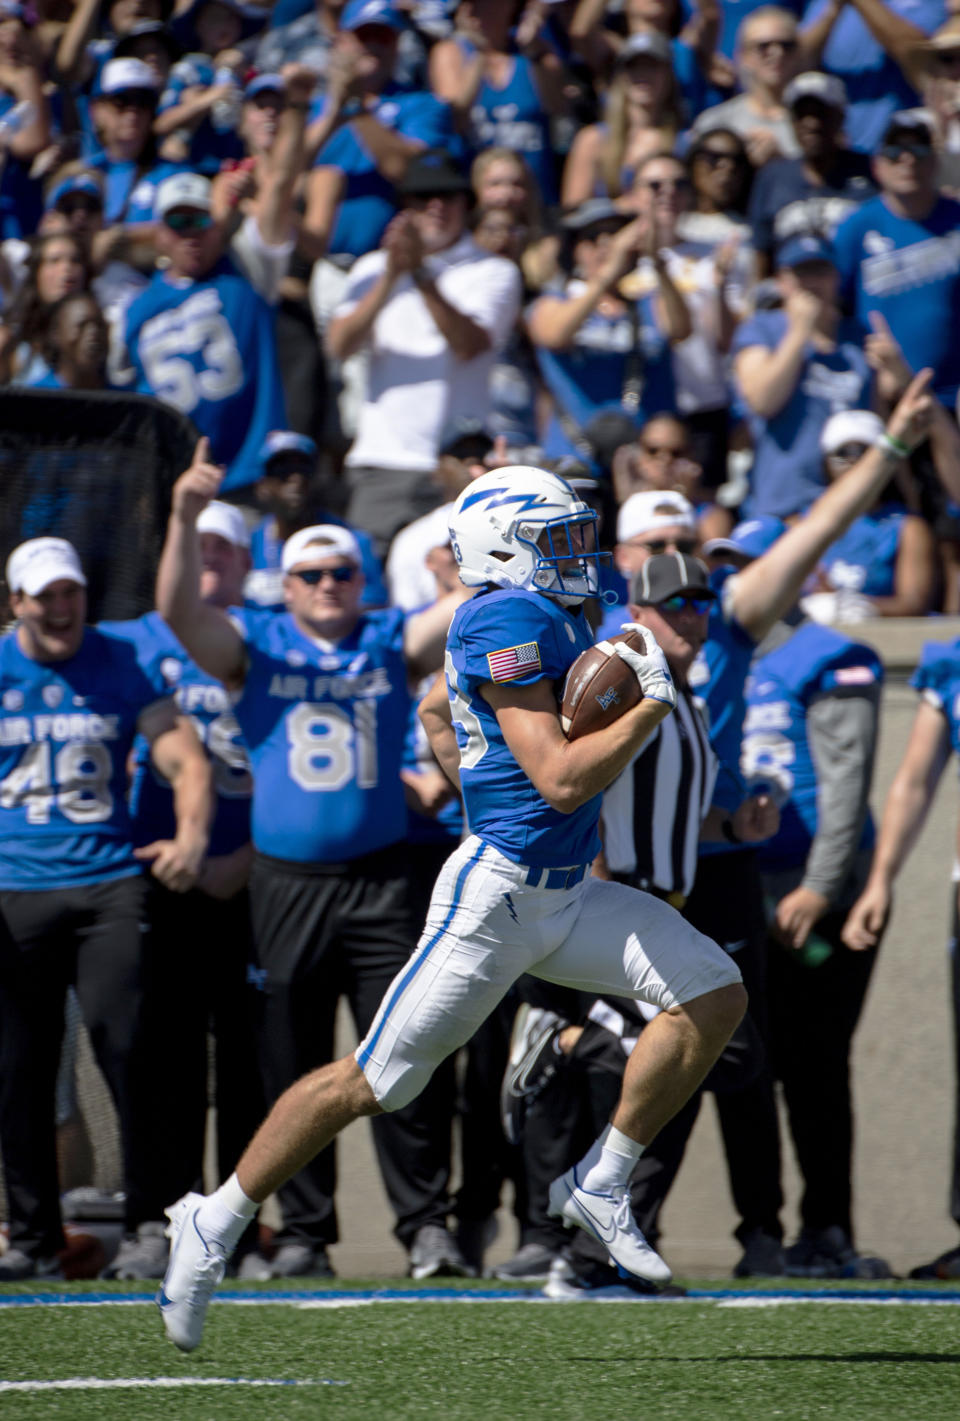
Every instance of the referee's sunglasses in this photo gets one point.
(679, 602)
(312, 576)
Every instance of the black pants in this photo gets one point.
(955, 993)
(94, 938)
(197, 983)
(813, 1015)
(302, 369)
(321, 933)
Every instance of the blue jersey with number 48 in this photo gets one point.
(209, 349)
(325, 732)
(519, 638)
(66, 729)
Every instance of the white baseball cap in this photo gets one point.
(654, 508)
(183, 190)
(323, 540)
(850, 427)
(120, 76)
(225, 520)
(36, 563)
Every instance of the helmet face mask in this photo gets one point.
(526, 528)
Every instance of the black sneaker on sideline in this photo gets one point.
(533, 1061)
(945, 1265)
(530, 1264)
(763, 1256)
(434, 1254)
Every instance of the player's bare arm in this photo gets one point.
(567, 773)
(436, 719)
(178, 755)
(206, 632)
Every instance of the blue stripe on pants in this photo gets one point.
(421, 955)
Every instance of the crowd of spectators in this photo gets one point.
(687, 251)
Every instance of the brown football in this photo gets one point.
(599, 687)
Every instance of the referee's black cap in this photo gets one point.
(666, 574)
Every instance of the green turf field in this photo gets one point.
(700, 1361)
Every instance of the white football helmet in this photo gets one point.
(525, 527)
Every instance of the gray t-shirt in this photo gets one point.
(738, 115)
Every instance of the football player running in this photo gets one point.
(515, 897)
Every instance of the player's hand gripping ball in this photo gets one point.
(600, 686)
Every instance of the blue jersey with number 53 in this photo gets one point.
(66, 729)
(518, 638)
(209, 349)
(325, 731)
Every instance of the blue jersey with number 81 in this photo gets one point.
(66, 729)
(325, 732)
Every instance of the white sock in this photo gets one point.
(227, 1211)
(609, 1161)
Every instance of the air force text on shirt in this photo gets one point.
(888, 272)
(80, 726)
(366, 684)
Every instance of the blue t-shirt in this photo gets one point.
(209, 707)
(864, 559)
(514, 117)
(130, 192)
(937, 678)
(875, 83)
(909, 272)
(264, 585)
(718, 677)
(446, 826)
(784, 203)
(369, 200)
(589, 376)
(209, 349)
(815, 662)
(520, 638)
(66, 731)
(324, 729)
(787, 470)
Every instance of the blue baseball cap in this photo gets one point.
(13, 10)
(285, 441)
(750, 539)
(77, 182)
(800, 250)
(263, 84)
(358, 13)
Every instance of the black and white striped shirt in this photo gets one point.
(653, 811)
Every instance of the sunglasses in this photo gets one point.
(679, 602)
(670, 545)
(763, 47)
(668, 450)
(135, 99)
(715, 158)
(184, 222)
(69, 205)
(848, 453)
(893, 152)
(659, 185)
(948, 58)
(313, 576)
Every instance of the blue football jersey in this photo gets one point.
(66, 730)
(210, 708)
(325, 733)
(521, 638)
(937, 678)
(816, 661)
(209, 349)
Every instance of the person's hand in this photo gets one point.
(403, 245)
(723, 261)
(721, 73)
(527, 33)
(649, 666)
(426, 791)
(868, 917)
(299, 82)
(803, 309)
(796, 915)
(910, 421)
(885, 357)
(624, 249)
(756, 819)
(761, 145)
(230, 187)
(107, 243)
(470, 28)
(197, 485)
(344, 75)
(233, 59)
(175, 863)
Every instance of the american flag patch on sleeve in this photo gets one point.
(514, 661)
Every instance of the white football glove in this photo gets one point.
(649, 667)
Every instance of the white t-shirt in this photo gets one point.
(412, 585)
(416, 386)
(263, 266)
